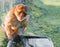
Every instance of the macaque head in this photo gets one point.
(21, 12)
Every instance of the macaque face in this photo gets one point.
(21, 12)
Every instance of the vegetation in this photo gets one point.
(44, 20)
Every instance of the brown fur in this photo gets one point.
(13, 22)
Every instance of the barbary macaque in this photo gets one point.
(16, 20)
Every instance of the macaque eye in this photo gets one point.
(23, 13)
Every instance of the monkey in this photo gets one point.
(16, 20)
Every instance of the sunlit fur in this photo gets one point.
(16, 20)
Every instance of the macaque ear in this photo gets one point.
(26, 8)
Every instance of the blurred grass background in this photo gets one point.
(44, 19)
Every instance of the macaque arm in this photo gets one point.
(27, 21)
(24, 23)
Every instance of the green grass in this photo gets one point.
(1, 36)
(47, 24)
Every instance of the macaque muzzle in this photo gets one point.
(23, 13)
